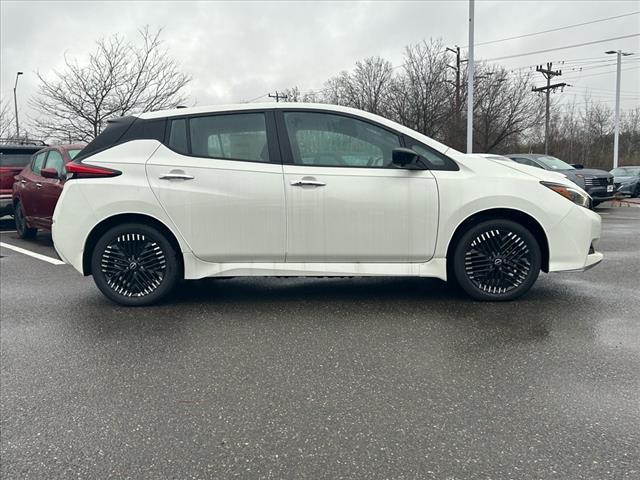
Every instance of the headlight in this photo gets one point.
(576, 195)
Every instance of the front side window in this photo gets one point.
(329, 140)
(238, 136)
(38, 162)
(54, 160)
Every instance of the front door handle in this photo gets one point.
(176, 176)
(307, 182)
(38, 184)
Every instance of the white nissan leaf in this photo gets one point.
(309, 190)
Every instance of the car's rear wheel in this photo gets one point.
(497, 260)
(24, 231)
(135, 265)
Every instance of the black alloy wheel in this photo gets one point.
(134, 265)
(22, 228)
(497, 260)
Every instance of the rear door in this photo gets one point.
(219, 178)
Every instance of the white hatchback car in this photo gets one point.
(309, 190)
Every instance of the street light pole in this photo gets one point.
(470, 73)
(616, 130)
(15, 104)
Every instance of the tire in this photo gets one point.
(24, 231)
(496, 260)
(135, 265)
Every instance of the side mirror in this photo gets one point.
(579, 166)
(406, 158)
(49, 173)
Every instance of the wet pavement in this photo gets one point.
(323, 378)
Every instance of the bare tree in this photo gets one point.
(7, 119)
(120, 78)
(504, 108)
(421, 95)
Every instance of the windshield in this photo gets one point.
(624, 171)
(73, 153)
(554, 163)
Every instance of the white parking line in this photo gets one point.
(44, 258)
(8, 231)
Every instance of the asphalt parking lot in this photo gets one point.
(322, 378)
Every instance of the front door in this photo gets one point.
(346, 202)
(29, 185)
(220, 182)
(51, 189)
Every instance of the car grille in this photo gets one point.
(598, 181)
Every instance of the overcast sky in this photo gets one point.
(236, 51)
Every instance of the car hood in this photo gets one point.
(539, 173)
(626, 178)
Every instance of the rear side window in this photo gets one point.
(55, 160)
(241, 136)
(38, 162)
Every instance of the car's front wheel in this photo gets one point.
(24, 231)
(135, 265)
(497, 260)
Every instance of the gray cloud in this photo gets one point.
(238, 50)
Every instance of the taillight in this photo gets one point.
(82, 170)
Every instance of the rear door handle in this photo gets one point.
(176, 176)
(307, 182)
(38, 184)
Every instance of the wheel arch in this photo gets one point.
(524, 219)
(109, 222)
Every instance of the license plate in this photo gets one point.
(609, 188)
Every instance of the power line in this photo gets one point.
(554, 29)
(562, 48)
(257, 98)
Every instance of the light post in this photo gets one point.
(15, 104)
(619, 54)
(470, 73)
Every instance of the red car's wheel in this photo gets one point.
(24, 231)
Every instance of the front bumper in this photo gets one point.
(627, 189)
(600, 194)
(573, 241)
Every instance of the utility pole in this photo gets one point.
(457, 69)
(548, 74)
(619, 54)
(278, 96)
(470, 82)
(15, 104)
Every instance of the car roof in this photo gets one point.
(532, 156)
(26, 148)
(176, 112)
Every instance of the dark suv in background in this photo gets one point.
(597, 183)
(13, 158)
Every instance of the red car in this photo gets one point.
(13, 158)
(38, 187)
